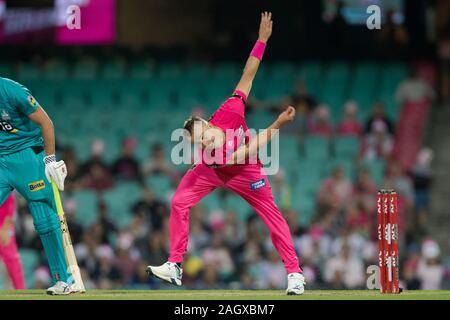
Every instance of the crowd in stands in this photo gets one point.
(226, 252)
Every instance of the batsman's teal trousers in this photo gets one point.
(25, 171)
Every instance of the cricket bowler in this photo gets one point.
(27, 164)
(248, 179)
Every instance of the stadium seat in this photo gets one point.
(113, 69)
(337, 72)
(56, 70)
(141, 70)
(310, 173)
(169, 71)
(305, 204)
(376, 168)
(119, 201)
(316, 148)
(28, 71)
(6, 71)
(160, 184)
(344, 163)
(282, 71)
(346, 147)
(87, 203)
(226, 71)
(85, 69)
(310, 71)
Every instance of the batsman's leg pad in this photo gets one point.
(47, 226)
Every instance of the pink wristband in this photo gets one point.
(258, 50)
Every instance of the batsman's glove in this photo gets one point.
(55, 170)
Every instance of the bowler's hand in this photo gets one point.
(265, 27)
(286, 116)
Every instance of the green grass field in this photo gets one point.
(225, 295)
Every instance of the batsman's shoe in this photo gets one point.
(296, 284)
(61, 288)
(169, 272)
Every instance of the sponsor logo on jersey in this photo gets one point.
(32, 101)
(5, 115)
(258, 184)
(37, 185)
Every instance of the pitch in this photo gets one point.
(224, 295)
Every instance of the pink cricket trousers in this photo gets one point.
(251, 184)
(9, 252)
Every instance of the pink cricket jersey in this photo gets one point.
(230, 118)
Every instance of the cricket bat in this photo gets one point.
(71, 259)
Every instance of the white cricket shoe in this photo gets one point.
(61, 288)
(296, 284)
(169, 272)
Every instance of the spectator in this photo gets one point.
(126, 261)
(105, 223)
(218, 255)
(42, 278)
(430, 271)
(414, 89)
(281, 190)
(76, 229)
(400, 182)
(358, 219)
(345, 270)
(378, 121)
(105, 272)
(158, 164)
(151, 208)
(336, 190)
(95, 173)
(350, 126)
(152, 248)
(270, 272)
(421, 173)
(365, 189)
(127, 167)
(199, 237)
(292, 218)
(96, 157)
(140, 278)
(318, 124)
(209, 278)
(233, 230)
(314, 244)
(377, 145)
(73, 169)
(303, 102)
(410, 278)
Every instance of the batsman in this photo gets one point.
(28, 164)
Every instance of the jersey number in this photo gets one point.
(5, 126)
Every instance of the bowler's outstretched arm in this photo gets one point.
(252, 65)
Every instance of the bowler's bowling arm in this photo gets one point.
(262, 139)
